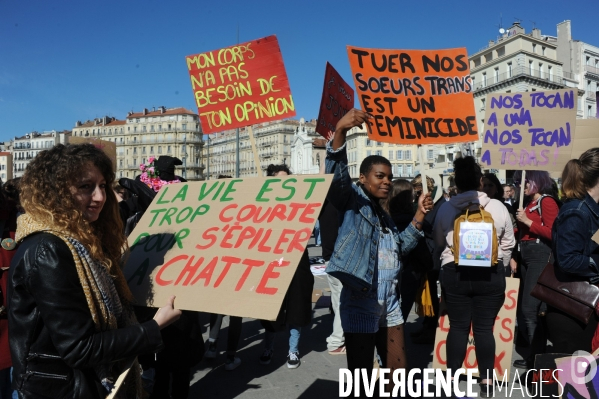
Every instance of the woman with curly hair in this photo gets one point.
(72, 329)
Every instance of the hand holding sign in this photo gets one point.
(353, 118)
(167, 314)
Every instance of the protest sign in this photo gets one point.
(337, 99)
(503, 331)
(108, 147)
(228, 246)
(586, 137)
(532, 130)
(544, 376)
(240, 85)
(578, 377)
(415, 96)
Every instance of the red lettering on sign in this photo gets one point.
(225, 241)
(229, 261)
(505, 326)
(207, 235)
(278, 212)
(262, 247)
(245, 234)
(250, 263)
(442, 321)
(159, 279)
(270, 274)
(282, 239)
(310, 209)
(190, 270)
(440, 345)
(466, 360)
(498, 359)
(206, 274)
(295, 207)
(300, 238)
(222, 216)
(511, 294)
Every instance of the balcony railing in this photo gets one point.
(591, 69)
(517, 72)
(591, 95)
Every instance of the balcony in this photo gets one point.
(591, 95)
(591, 69)
(516, 73)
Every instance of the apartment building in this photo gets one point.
(26, 147)
(160, 131)
(581, 61)
(6, 171)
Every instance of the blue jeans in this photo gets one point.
(6, 391)
(317, 240)
(294, 337)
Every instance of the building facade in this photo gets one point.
(6, 171)
(164, 131)
(581, 62)
(26, 147)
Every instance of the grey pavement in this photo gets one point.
(318, 375)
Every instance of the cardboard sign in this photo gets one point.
(108, 147)
(595, 237)
(228, 246)
(241, 85)
(415, 96)
(571, 376)
(476, 247)
(532, 130)
(337, 99)
(587, 136)
(503, 331)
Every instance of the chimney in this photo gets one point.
(536, 33)
(162, 109)
(491, 42)
(129, 113)
(145, 111)
(78, 123)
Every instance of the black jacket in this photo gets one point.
(53, 342)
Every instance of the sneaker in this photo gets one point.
(339, 351)
(266, 356)
(293, 360)
(212, 350)
(232, 362)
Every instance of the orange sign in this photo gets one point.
(240, 85)
(415, 96)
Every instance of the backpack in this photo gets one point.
(537, 207)
(474, 217)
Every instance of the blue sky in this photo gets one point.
(68, 60)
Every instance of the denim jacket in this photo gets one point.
(573, 250)
(356, 249)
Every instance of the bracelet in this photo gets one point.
(416, 221)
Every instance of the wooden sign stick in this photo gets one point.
(423, 170)
(522, 186)
(255, 151)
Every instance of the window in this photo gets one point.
(534, 48)
(135, 129)
(152, 128)
(135, 150)
(160, 149)
(408, 170)
(399, 170)
(379, 153)
(399, 155)
(484, 79)
(368, 153)
(390, 155)
(143, 150)
(407, 155)
(430, 154)
(159, 128)
(121, 140)
(368, 142)
(509, 69)
(134, 161)
(169, 126)
(530, 68)
(543, 50)
(379, 144)
(143, 128)
(168, 149)
(184, 126)
(121, 163)
(135, 139)
(541, 70)
(590, 111)
(550, 70)
(482, 104)
(151, 149)
(496, 75)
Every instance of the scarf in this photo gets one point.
(103, 301)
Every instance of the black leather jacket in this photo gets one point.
(53, 342)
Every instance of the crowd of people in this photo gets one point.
(73, 326)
